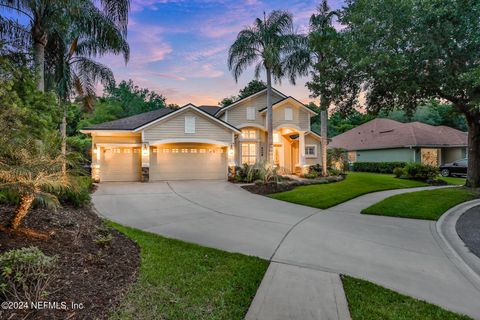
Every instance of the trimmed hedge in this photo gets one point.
(377, 167)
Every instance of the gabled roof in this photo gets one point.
(287, 98)
(385, 133)
(132, 122)
(186, 107)
(249, 97)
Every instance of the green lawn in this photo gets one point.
(429, 204)
(179, 280)
(356, 184)
(454, 180)
(370, 301)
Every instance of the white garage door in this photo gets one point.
(188, 161)
(121, 164)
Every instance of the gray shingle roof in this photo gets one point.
(132, 122)
(210, 109)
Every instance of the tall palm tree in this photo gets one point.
(271, 45)
(45, 17)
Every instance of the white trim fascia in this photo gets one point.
(189, 140)
(251, 96)
(183, 109)
(105, 130)
(314, 134)
(127, 145)
(316, 151)
(277, 104)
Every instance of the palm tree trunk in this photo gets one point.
(39, 42)
(63, 132)
(22, 210)
(269, 117)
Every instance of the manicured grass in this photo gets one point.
(370, 301)
(454, 180)
(428, 204)
(356, 184)
(179, 280)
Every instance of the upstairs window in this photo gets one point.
(189, 124)
(249, 134)
(288, 114)
(251, 113)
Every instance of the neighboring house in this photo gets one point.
(203, 142)
(385, 140)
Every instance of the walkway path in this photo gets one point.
(308, 247)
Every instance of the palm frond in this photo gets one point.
(117, 10)
(13, 33)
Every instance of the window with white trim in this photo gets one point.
(251, 113)
(288, 113)
(249, 153)
(249, 134)
(189, 124)
(311, 151)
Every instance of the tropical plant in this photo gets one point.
(48, 17)
(337, 159)
(32, 169)
(271, 45)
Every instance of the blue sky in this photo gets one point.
(179, 48)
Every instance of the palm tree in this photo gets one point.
(32, 170)
(271, 45)
(46, 17)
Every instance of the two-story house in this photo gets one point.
(203, 142)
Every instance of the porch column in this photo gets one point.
(95, 162)
(301, 149)
(145, 162)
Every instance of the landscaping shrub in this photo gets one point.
(79, 194)
(260, 171)
(418, 171)
(377, 167)
(316, 168)
(311, 175)
(398, 172)
(9, 197)
(25, 274)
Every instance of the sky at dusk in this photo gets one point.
(179, 48)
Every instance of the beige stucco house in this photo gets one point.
(203, 142)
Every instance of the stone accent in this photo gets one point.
(145, 174)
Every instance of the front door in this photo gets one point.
(294, 156)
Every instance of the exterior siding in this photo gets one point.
(237, 115)
(174, 128)
(300, 117)
(386, 155)
(309, 140)
(117, 139)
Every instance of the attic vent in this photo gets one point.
(385, 131)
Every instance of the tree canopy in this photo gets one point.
(252, 87)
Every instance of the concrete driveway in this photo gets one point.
(402, 254)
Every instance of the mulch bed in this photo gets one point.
(95, 275)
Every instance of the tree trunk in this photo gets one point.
(39, 42)
(63, 132)
(323, 131)
(269, 117)
(22, 210)
(473, 175)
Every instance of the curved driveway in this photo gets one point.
(403, 254)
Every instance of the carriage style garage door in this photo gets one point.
(121, 164)
(188, 161)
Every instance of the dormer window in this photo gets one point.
(288, 114)
(251, 113)
(189, 124)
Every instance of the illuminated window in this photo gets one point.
(184, 150)
(136, 150)
(154, 150)
(165, 150)
(116, 150)
(249, 134)
(202, 150)
(127, 150)
(193, 150)
(249, 153)
(174, 150)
